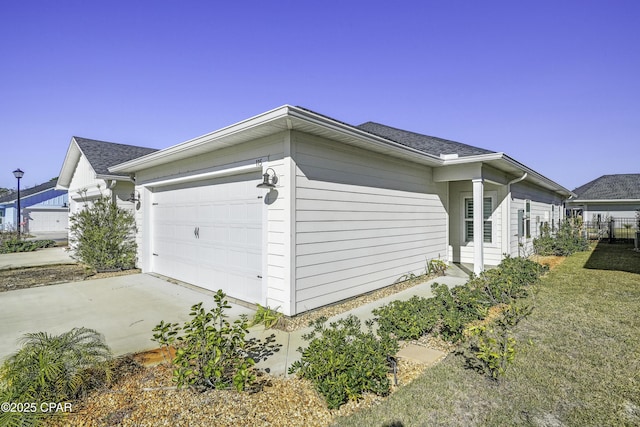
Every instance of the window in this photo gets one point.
(487, 209)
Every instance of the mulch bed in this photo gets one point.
(23, 278)
(143, 393)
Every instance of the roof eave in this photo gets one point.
(605, 201)
(502, 157)
(108, 177)
(279, 119)
(71, 159)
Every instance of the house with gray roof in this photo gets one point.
(296, 210)
(44, 209)
(609, 196)
(85, 171)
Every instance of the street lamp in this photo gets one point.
(18, 174)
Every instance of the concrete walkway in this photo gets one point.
(48, 256)
(279, 363)
(125, 309)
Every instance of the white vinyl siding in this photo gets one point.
(540, 203)
(362, 221)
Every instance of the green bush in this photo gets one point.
(344, 362)
(16, 244)
(102, 235)
(407, 319)
(437, 267)
(450, 310)
(567, 240)
(490, 350)
(266, 316)
(52, 368)
(210, 351)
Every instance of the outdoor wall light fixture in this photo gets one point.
(268, 180)
(135, 197)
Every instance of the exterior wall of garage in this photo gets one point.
(265, 152)
(362, 220)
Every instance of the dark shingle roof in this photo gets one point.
(26, 192)
(102, 155)
(611, 187)
(428, 144)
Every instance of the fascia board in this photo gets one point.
(281, 119)
(69, 165)
(166, 154)
(502, 157)
(622, 201)
(531, 173)
(348, 130)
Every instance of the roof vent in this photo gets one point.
(449, 156)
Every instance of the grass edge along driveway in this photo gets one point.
(577, 361)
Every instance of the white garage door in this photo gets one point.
(209, 234)
(46, 220)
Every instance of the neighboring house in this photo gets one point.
(85, 174)
(610, 196)
(44, 209)
(354, 208)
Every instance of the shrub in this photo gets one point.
(522, 271)
(437, 267)
(266, 316)
(52, 368)
(344, 362)
(407, 319)
(449, 310)
(210, 351)
(102, 235)
(489, 350)
(567, 240)
(15, 244)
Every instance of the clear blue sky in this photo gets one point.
(554, 84)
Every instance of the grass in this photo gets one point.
(578, 360)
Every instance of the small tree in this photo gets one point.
(211, 352)
(102, 235)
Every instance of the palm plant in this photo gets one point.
(50, 368)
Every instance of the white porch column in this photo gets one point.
(478, 225)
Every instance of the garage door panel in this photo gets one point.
(46, 220)
(226, 251)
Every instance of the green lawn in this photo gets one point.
(578, 360)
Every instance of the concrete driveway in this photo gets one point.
(124, 309)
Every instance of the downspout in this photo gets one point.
(513, 181)
(111, 187)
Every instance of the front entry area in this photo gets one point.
(209, 234)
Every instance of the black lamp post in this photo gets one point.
(18, 174)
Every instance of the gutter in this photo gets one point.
(604, 201)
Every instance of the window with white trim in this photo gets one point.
(487, 210)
